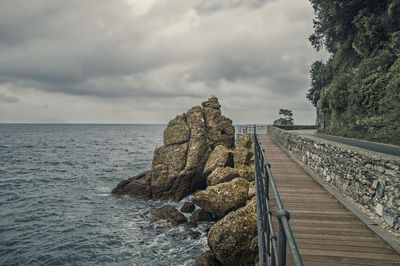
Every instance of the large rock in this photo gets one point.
(222, 174)
(224, 197)
(177, 168)
(169, 214)
(219, 157)
(233, 239)
(138, 186)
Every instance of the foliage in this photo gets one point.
(358, 88)
(288, 114)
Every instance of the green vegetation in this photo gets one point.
(358, 88)
(287, 114)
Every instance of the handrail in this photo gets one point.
(271, 248)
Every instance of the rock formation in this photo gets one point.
(198, 156)
(178, 165)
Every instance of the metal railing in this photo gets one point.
(247, 129)
(271, 247)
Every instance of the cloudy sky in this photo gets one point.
(145, 61)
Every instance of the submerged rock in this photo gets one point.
(207, 259)
(138, 186)
(224, 197)
(199, 216)
(177, 168)
(233, 239)
(194, 234)
(169, 214)
(188, 207)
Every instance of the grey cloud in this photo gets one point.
(7, 99)
(211, 6)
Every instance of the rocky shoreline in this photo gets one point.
(199, 158)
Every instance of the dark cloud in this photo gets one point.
(155, 51)
(211, 6)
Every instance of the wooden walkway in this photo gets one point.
(325, 231)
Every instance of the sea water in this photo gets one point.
(55, 201)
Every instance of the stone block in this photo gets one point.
(379, 209)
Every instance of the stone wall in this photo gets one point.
(369, 178)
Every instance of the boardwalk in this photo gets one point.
(325, 231)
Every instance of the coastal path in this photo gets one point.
(326, 233)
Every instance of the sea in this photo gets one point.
(55, 201)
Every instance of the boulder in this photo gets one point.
(188, 207)
(169, 214)
(242, 156)
(219, 157)
(233, 239)
(207, 259)
(138, 186)
(224, 197)
(200, 215)
(221, 174)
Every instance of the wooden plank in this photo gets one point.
(323, 246)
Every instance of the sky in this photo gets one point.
(146, 61)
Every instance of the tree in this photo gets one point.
(288, 115)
